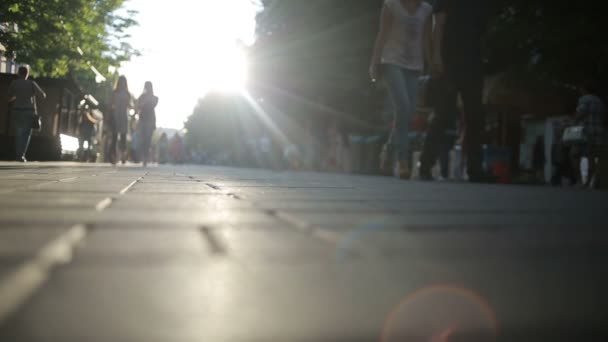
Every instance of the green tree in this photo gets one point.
(57, 37)
(222, 123)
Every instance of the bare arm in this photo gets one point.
(386, 23)
(436, 60)
(38, 90)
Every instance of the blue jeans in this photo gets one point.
(22, 141)
(403, 88)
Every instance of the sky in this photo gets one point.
(188, 48)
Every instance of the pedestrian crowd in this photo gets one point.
(415, 38)
(445, 41)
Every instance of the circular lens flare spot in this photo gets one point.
(441, 313)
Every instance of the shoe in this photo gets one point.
(22, 160)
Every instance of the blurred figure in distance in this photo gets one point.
(121, 103)
(146, 105)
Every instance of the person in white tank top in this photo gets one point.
(401, 50)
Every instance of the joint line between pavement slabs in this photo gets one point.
(305, 227)
(128, 187)
(18, 286)
(33, 186)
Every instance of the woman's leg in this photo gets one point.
(146, 140)
(113, 147)
(399, 89)
(122, 146)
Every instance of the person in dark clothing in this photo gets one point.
(22, 94)
(86, 131)
(121, 103)
(457, 67)
(146, 105)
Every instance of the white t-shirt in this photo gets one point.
(405, 42)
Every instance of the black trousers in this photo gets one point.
(122, 144)
(469, 85)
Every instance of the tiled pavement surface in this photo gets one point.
(94, 253)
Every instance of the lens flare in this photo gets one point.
(439, 313)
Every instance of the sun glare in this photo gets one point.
(198, 49)
(226, 71)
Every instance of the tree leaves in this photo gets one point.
(559, 41)
(50, 32)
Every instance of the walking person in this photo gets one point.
(121, 103)
(590, 114)
(163, 149)
(22, 95)
(146, 126)
(457, 67)
(399, 56)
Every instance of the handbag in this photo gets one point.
(36, 119)
(36, 123)
(574, 134)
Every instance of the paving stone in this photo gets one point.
(56, 200)
(26, 240)
(195, 253)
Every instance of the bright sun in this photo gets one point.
(196, 49)
(226, 71)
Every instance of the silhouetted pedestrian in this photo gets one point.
(22, 95)
(146, 105)
(176, 149)
(590, 113)
(121, 103)
(457, 68)
(86, 131)
(163, 149)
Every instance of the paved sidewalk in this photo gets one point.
(95, 253)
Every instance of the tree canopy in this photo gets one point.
(57, 37)
(560, 41)
(221, 123)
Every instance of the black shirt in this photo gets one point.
(464, 27)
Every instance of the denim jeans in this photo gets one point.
(22, 141)
(403, 88)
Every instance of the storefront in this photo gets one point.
(60, 113)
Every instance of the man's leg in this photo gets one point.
(471, 88)
(445, 115)
(22, 142)
(19, 144)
